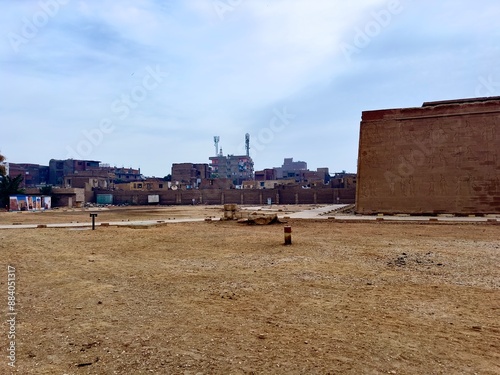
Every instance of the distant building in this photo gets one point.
(34, 175)
(267, 174)
(16, 170)
(58, 169)
(144, 185)
(343, 180)
(63, 197)
(217, 183)
(124, 174)
(189, 174)
(237, 168)
(271, 184)
(295, 171)
(290, 169)
(249, 184)
(94, 178)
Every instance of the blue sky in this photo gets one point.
(149, 83)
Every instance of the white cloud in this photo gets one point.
(228, 74)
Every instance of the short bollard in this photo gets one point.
(93, 220)
(288, 235)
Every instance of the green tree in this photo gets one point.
(46, 190)
(49, 192)
(9, 186)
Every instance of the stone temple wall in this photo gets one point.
(443, 157)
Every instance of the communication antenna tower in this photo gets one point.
(216, 143)
(247, 143)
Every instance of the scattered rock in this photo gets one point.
(258, 219)
(84, 364)
(87, 363)
(418, 260)
(228, 295)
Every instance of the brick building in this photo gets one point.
(443, 157)
(124, 174)
(72, 168)
(189, 174)
(343, 180)
(237, 168)
(58, 169)
(291, 169)
(148, 184)
(267, 174)
(33, 174)
(295, 171)
(94, 178)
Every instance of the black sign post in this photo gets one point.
(92, 215)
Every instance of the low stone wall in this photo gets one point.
(252, 197)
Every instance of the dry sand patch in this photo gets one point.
(221, 297)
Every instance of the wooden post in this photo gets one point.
(288, 235)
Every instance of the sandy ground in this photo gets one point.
(226, 298)
(114, 213)
(109, 214)
(147, 215)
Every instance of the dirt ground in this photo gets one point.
(81, 215)
(226, 298)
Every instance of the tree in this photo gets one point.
(46, 190)
(9, 186)
(2, 168)
(49, 192)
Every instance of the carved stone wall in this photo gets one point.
(443, 157)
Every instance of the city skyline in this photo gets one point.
(148, 85)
